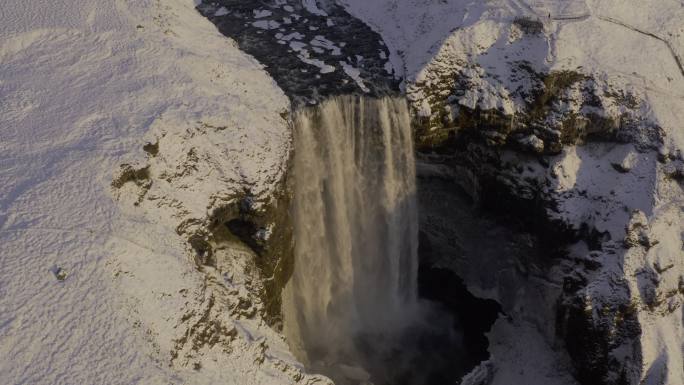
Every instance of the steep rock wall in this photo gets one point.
(562, 116)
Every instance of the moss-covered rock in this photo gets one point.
(561, 108)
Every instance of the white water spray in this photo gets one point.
(356, 230)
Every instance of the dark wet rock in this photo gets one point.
(600, 333)
(151, 148)
(675, 170)
(60, 273)
(473, 316)
(129, 173)
(139, 176)
(594, 336)
(267, 231)
(529, 26)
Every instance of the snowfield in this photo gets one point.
(95, 290)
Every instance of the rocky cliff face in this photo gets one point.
(573, 137)
(222, 193)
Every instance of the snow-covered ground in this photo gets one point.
(95, 290)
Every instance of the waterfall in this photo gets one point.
(356, 234)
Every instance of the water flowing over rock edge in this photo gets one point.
(355, 220)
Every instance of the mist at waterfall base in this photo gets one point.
(351, 309)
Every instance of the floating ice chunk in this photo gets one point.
(266, 24)
(312, 7)
(355, 74)
(321, 41)
(291, 36)
(329, 23)
(325, 68)
(297, 46)
(304, 56)
(221, 11)
(261, 13)
(288, 8)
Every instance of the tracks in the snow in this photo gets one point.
(678, 60)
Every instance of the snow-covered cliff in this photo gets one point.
(570, 114)
(131, 132)
(124, 128)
